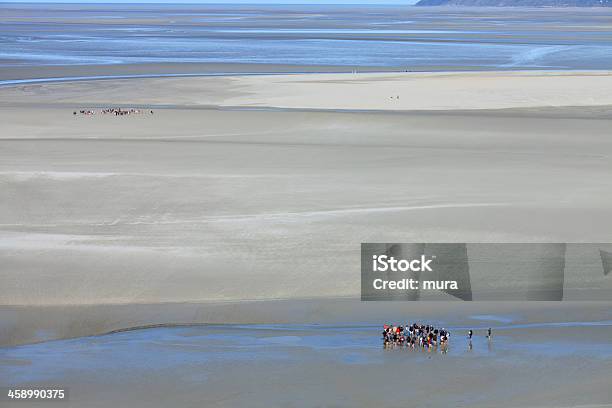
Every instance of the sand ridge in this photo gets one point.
(410, 91)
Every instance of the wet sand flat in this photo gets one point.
(400, 36)
(174, 196)
(322, 365)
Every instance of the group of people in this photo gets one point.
(415, 335)
(113, 111)
(85, 112)
(424, 336)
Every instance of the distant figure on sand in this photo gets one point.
(470, 334)
(489, 334)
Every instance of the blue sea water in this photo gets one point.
(352, 36)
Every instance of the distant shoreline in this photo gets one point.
(247, 70)
(10, 76)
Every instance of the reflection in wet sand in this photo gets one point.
(261, 362)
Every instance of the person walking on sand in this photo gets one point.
(470, 334)
(489, 334)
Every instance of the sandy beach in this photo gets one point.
(337, 91)
(197, 194)
(244, 200)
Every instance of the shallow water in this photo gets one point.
(390, 36)
(169, 348)
(319, 365)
